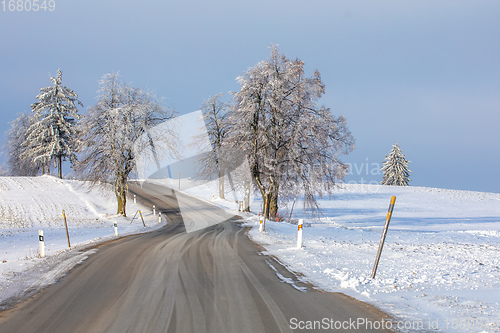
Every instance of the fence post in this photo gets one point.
(384, 233)
(299, 233)
(66, 226)
(41, 242)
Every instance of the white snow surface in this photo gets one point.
(29, 204)
(439, 270)
(440, 265)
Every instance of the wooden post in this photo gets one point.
(66, 226)
(144, 224)
(134, 217)
(384, 233)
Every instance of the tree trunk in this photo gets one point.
(221, 183)
(121, 196)
(272, 206)
(59, 166)
(265, 207)
(246, 199)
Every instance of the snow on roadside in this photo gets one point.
(440, 267)
(439, 271)
(28, 204)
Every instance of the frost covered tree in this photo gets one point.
(395, 168)
(215, 161)
(53, 132)
(113, 134)
(291, 144)
(14, 148)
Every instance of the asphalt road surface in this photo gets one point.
(209, 280)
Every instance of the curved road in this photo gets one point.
(209, 280)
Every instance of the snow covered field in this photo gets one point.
(29, 204)
(440, 267)
(439, 270)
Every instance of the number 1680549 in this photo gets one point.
(27, 5)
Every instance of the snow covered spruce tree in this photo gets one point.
(214, 162)
(395, 169)
(292, 145)
(14, 148)
(53, 132)
(113, 132)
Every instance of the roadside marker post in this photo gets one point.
(135, 199)
(115, 225)
(261, 224)
(154, 210)
(142, 218)
(299, 233)
(384, 233)
(66, 226)
(41, 242)
(159, 217)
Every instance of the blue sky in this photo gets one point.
(425, 74)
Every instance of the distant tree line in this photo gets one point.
(288, 143)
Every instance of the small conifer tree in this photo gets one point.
(395, 169)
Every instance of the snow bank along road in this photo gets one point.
(170, 280)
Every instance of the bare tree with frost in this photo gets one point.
(14, 148)
(292, 145)
(395, 168)
(53, 132)
(215, 162)
(117, 128)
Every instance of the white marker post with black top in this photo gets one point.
(41, 242)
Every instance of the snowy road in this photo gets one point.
(207, 280)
